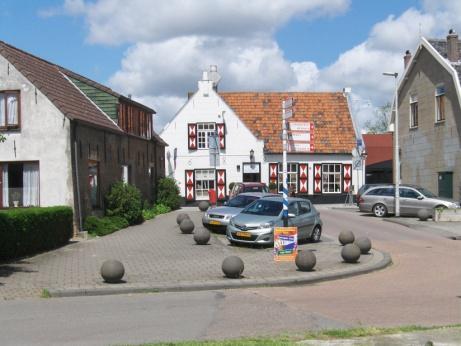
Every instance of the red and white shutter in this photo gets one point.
(192, 136)
(317, 178)
(347, 177)
(221, 184)
(273, 173)
(221, 129)
(302, 178)
(190, 183)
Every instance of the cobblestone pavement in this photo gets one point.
(156, 254)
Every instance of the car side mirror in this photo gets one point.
(290, 215)
(420, 197)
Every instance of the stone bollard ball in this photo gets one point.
(232, 267)
(350, 253)
(364, 244)
(180, 217)
(204, 205)
(186, 226)
(112, 271)
(346, 237)
(202, 236)
(423, 214)
(305, 260)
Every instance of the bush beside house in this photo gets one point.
(124, 200)
(27, 231)
(168, 193)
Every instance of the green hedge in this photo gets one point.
(104, 225)
(28, 231)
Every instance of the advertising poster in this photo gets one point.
(285, 243)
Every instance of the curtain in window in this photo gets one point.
(30, 185)
(2, 111)
(12, 107)
(5, 199)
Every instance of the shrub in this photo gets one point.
(168, 193)
(104, 225)
(156, 210)
(27, 231)
(231, 185)
(124, 200)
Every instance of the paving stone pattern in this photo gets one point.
(155, 253)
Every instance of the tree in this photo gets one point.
(380, 122)
(2, 138)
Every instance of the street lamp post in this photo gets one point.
(396, 144)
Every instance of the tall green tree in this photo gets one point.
(380, 121)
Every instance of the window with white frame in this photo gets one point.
(292, 177)
(9, 109)
(203, 133)
(440, 103)
(204, 181)
(331, 178)
(414, 110)
(19, 184)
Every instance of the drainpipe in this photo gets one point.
(77, 181)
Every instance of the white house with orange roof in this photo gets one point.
(219, 138)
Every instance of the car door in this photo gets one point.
(409, 202)
(293, 218)
(307, 218)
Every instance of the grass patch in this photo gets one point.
(330, 334)
(45, 294)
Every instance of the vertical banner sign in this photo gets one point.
(285, 243)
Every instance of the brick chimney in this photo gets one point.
(406, 59)
(452, 46)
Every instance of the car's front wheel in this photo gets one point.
(316, 234)
(379, 210)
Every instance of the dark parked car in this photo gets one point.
(255, 224)
(239, 188)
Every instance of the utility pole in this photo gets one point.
(287, 112)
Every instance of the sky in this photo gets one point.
(156, 50)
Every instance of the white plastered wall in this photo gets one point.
(44, 137)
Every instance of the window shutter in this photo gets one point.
(192, 136)
(302, 178)
(317, 178)
(221, 184)
(273, 173)
(221, 128)
(190, 183)
(347, 177)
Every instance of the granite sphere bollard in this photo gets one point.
(112, 271)
(202, 236)
(232, 267)
(186, 226)
(350, 253)
(204, 205)
(180, 217)
(364, 244)
(305, 260)
(423, 214)
(346, 237)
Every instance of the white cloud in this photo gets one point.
(172, 42)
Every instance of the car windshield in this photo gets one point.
(426, 193)
(241, 201)
(264, 207)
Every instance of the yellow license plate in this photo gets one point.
(243, 234)
(212, 222)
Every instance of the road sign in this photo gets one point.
(288, 103)
(301, 126)
(300, 147)
(301, 136)
(357, 164)
(287, 113)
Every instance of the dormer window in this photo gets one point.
(9, 110)
(440, 103)
(413, 111)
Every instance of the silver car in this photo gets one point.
(255, 224)
(380, 200)
(218, 218)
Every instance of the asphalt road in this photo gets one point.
(422, 287)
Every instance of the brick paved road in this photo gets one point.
(154, 253)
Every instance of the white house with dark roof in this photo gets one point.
(430, 116)
(69, 138)
(218, 138)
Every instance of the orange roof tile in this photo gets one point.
(261, 113)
